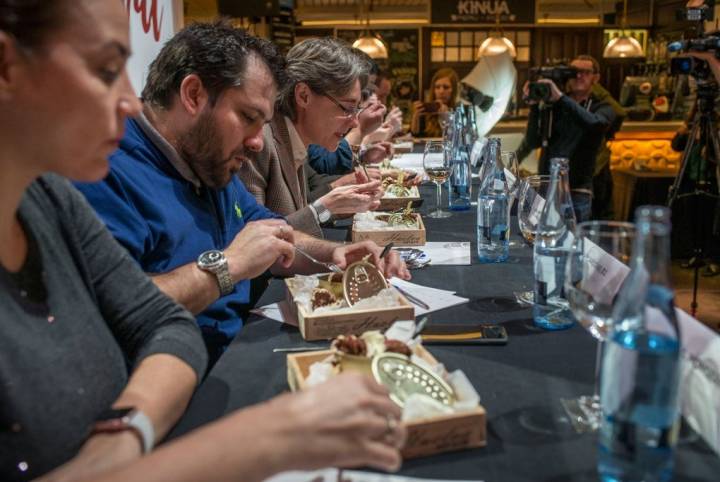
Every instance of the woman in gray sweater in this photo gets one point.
(83, 329)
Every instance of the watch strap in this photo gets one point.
(222, 273)
(142, 424)
(219, 268)
(128, 419)
(324, 215)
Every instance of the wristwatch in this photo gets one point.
(323, 213)
(127, 418)
(214, 262)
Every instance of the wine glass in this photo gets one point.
(438, 167)
(596, 268)
(512, 178)
(532, 195)
(531, 199)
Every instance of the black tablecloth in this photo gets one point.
(520, 383)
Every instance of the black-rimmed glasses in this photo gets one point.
(349, 113)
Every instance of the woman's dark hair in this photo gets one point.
(216, 52)
(31, 21)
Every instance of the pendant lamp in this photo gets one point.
(624, 46)
(497, 43)
(369, 43)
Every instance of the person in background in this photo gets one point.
(394, 116)
(602, 202)
(172, 198)
(579, 121)
(84, 330)
(340, 161)
(443, 97)
(384, 88)
(318, 104)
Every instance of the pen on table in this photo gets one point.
(386, 249)
(299, 348)
(412, 298)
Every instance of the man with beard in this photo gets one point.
(172, 199)
(579, 121)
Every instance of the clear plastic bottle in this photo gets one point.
(641, 365)
(493, 215)
(553, 239)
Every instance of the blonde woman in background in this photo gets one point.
(443, 98)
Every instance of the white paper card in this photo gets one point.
(510, 178)
(277, 311)
(331, 475)
(448, 252)
(603, 273)
(409, 160)
(435, 298)
(545, 271)
(536, 209)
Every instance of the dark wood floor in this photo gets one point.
(708, 294)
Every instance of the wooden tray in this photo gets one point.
(445, 433)
(401, 237)
(326, 326)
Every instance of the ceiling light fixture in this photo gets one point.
(497, 43)
(624, 46)
(369, 43)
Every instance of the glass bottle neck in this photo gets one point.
(559, 197)
(652, 250)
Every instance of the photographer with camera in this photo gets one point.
(570, 122)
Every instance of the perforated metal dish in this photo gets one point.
(362, 280)
(403, 378)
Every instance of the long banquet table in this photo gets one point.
(520, 384)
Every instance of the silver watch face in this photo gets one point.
(324, 216)
(211, 259)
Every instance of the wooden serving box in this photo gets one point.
(444, 433)
(328, 325)
(401, 237)
(395, 203)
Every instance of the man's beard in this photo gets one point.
(201, 148)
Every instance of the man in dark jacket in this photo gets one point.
(578, 122)
(602, 204)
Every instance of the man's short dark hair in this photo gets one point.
(216, 52)
(590, 58)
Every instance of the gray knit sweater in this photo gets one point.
(74, 321)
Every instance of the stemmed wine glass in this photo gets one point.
(596, 268)
(531, 199)
(512, 178)
(438, 167)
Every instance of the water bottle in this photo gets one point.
(493, 215)
(641, 365)
(460, 179)
(553, 239)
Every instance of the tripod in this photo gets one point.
(703, 136)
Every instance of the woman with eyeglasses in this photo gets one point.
(318, 105)
(96, 363)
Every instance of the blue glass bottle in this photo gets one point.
(553, 239)
(641, 366)
(493, 215)
(460, 179)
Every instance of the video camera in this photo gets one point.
(698, 68)
(699, 13)
(559, 74)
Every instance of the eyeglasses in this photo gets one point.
(585, 71)
(347, 113)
